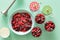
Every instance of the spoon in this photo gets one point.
(6, 10)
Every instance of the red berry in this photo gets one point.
(36, 31)
(21, 22)
(49, 26)
(40, 18)
(17, 15)
(34, 6)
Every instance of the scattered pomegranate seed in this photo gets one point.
(40, 18)
(49, 26)
(21, 22)
(34, 6)
(36, 31)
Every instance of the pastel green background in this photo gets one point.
(24, 4)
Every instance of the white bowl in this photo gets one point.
(21, 33)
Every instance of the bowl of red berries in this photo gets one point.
(21, 22)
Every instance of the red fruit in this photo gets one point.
(40, 18)
(36, 31)
(21, 22)
(49, 26)
(34, 6)
(17, 15)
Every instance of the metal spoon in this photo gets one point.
(6, 10)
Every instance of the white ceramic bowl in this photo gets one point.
(21, 33)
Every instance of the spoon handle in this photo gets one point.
(6, 10)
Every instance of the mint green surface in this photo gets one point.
(24, 4)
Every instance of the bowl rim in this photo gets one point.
(21, 33)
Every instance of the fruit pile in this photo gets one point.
(21, 22)
(49, 26)
(40, 18)
(36, 31)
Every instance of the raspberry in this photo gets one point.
(21, 22)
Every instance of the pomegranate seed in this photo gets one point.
(40, 18)
(17, 15)
(34, 6)
(21, 22)
(49, 26)
(36, 31)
